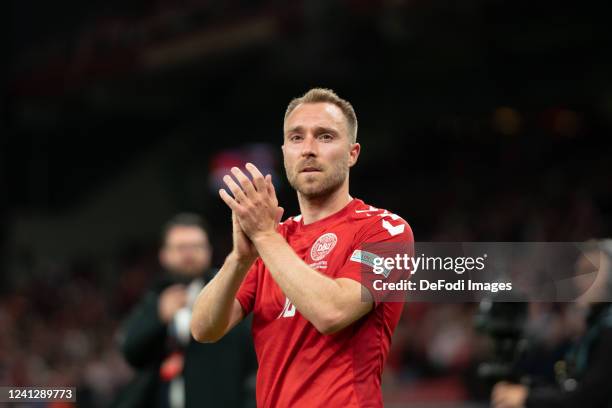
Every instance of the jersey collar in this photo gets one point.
(348, 208)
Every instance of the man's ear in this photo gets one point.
(354, 154)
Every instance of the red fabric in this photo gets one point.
(172, 366)
(298, 366)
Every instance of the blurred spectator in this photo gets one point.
(583, 378)
(174, 370)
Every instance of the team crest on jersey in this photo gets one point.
(323, 246)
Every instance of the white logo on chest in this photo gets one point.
(323, 245)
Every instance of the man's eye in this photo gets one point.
(326, 136)
(295, 138)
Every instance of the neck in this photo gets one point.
(314, 209)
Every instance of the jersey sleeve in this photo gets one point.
(248, 289)
(389, 237)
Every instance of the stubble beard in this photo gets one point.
(331, 183)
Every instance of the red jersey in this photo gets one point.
(299, 366)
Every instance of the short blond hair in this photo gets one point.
(320, 95)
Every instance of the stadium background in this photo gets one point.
(479, 120)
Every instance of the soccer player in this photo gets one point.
(320, 339)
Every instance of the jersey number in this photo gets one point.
(393, 230)
(288, 309)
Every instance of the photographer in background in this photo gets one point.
(174, 370)
(584, 377)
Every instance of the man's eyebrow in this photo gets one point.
(317, 129)
(321, 129)
(295, 129)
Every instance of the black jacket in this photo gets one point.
(590, 364)
(215, 375)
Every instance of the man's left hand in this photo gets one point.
(254, 202)
(506, 395)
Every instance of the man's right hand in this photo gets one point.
(170, 301)
(244, 250)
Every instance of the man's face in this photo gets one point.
(186, 251)
(317, 149)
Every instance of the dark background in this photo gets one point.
(480, 120)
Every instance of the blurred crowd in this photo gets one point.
(430, 81)
(59, 322)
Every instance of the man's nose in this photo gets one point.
(309, 146)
